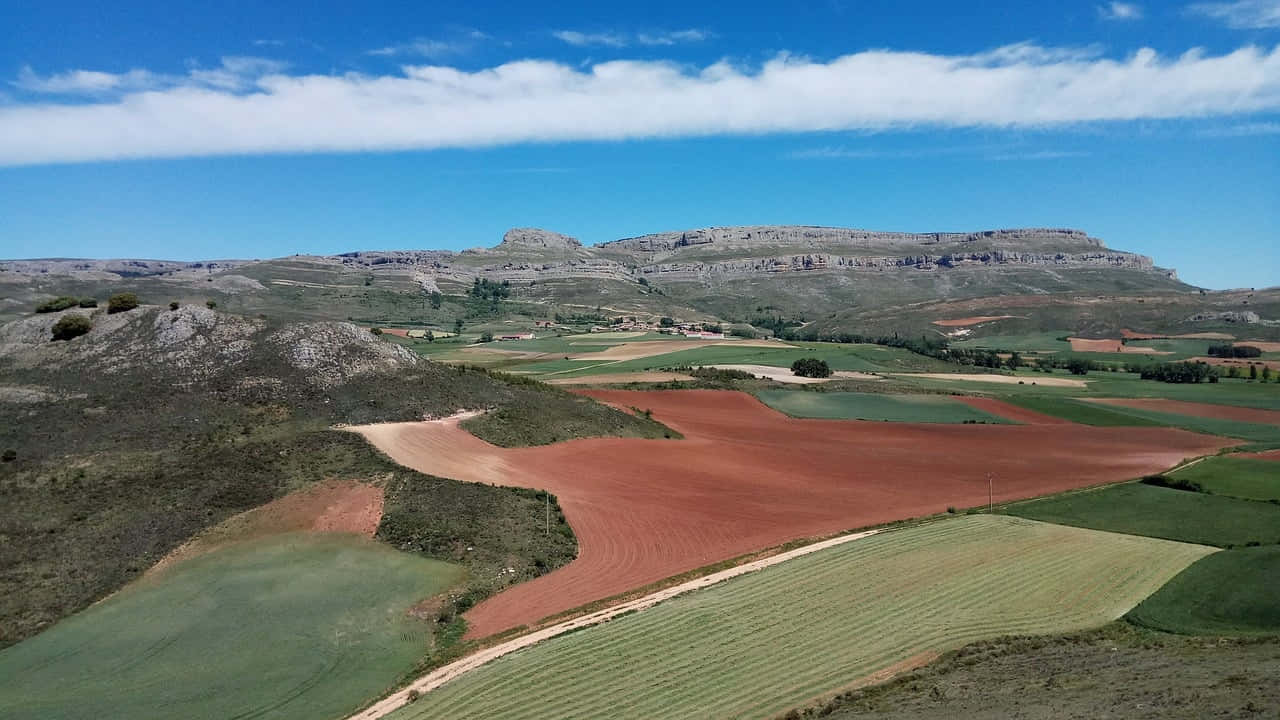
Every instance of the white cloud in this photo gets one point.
(620, 40)
(233, 73)
(432, 106)
(1120, 11)
(581, 39)
(83, 82)
(1242, 14)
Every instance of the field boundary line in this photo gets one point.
(444, 674)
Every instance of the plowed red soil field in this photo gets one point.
(1195, 409)
(747, 477)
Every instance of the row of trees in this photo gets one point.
(1180, 372)
(1234, 351)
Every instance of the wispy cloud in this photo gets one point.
(620, 39)
(1241, 14)
(233, 73)
(460, 40)
(421, 47)
(1243, 130)
(1041, 155)
(268, 43)
(433, 106)
(1120, 11)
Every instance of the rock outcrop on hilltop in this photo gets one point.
(524, 238)
(748, 237)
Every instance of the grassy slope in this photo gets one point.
(1227, 593)
(295, 626)
(1139, 509)
(874, 406)
(132, 464)
(1246, 478)
(1117, 671)
(765, 642)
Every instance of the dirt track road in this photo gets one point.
(442, 675)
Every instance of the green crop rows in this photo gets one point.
(760, 644)
(296, 626)
(875, 406)
(1227, 593)
(1247, 478)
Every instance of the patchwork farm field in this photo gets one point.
(784, 637)
(1236, 592)
(875, 406)
(294, 626)
(746, 478)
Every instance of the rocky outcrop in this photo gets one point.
(749, 237)
(526, 238)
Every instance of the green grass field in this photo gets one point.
(763, 643)
(874, 406)
(1247, 478)
(296, 626)
(1139, 509)
(1079, 412)
(1236, 592)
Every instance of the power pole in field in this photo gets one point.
(990, 491)
(548, 495)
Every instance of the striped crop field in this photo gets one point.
(761, 644)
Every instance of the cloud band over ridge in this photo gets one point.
(431, 106)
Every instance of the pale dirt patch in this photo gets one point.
(976, 320)
(1000, 379)
(770, 372)
(331, 506)
(621, 378)
(607, 336)
(440, 676)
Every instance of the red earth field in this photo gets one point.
(1010, 411)
(746, 477)
(1195, 409)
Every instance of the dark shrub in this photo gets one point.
(1172, 483)
(486, 336)
(121, 302)
(173, 305)
(88, 302)
(9, 455)
(375, 330)
(57, 304)
(210, 304)
(811, 367)
(71, 326)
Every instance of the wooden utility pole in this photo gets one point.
(990, 492)
(548, 495)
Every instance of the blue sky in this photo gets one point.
(183, 130)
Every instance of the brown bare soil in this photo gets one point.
(621, 378)
(747, 477)
(1261, 345)
(1009, 411)
(967, 321)
(1111, 346)
(1205, 410)
(1242, 364)
(334, 506)
(1131, 335)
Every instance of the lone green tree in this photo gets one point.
(811, 367)
(457, 326)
